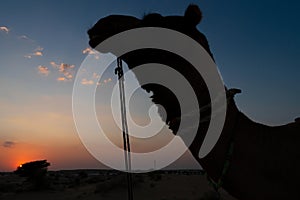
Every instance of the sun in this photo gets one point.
(20, 163)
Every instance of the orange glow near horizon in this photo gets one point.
(21, 162)
(19, 154)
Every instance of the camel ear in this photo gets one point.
(193, 15)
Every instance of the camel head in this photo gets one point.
(186, 24)
(114, 24)
(109, 26)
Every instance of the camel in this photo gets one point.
(265, 160)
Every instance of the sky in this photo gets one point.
(43, 44)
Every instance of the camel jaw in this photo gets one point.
(95, 40)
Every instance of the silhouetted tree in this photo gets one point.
(35, 171)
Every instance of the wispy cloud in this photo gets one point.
(4, 29)
(39, 49)
(28, 56)
(53, 64)
(107, 80)
(37, 52)
(96, 76)
(8, 144)
(87, 82)
(91, 51)
(24, 37)
(93, 79)
(43, 70)
(66, 71)
(61, 79)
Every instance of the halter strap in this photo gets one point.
(219, 183)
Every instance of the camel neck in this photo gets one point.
(213, 163)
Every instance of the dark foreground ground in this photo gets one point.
(110, 185)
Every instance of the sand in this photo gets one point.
(110, 185)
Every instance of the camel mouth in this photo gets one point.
(95, 40)
(98, 34)
(163, 96)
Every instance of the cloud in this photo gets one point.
(66, 71)
(37, 52)
(63, 67)
(91, 82)
(53, 64)
(43, 70)
(4, 29)
(24, 37)
(39, 49)
(94, 79)
(8, 144)
(96, 76)
(61, 79)
(107, 80)
(28, 56)
(90, 51)
(87, 82)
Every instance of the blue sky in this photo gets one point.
(255, 45)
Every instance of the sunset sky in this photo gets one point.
(256, 46)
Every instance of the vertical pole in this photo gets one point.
(126, 142)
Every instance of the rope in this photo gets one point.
(126, 142)
(217, 185)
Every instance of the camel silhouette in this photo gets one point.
(265, 160)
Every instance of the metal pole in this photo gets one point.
(126, 142)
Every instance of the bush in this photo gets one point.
(35, 172)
